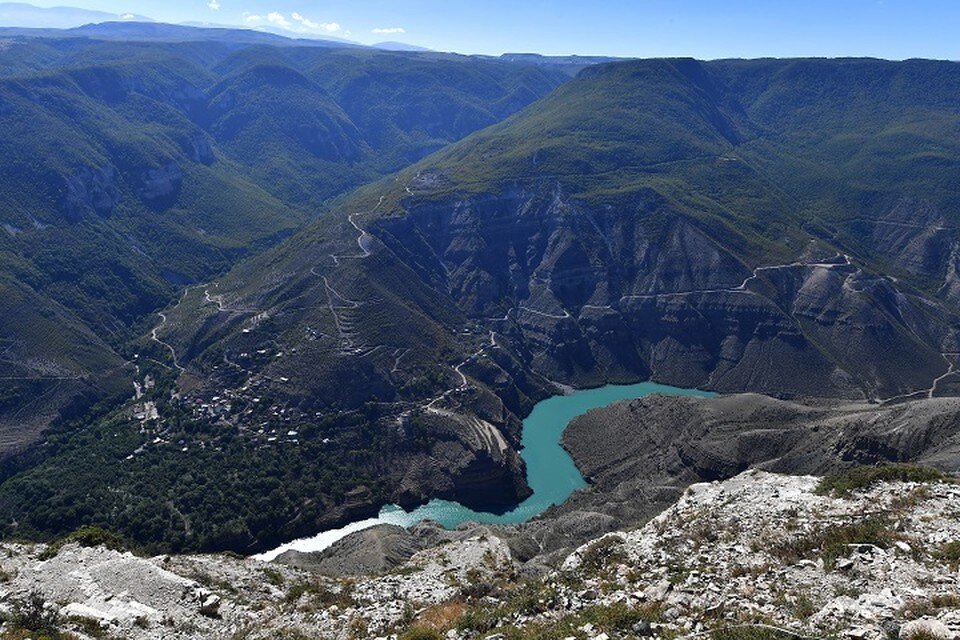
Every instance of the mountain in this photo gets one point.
(786, 227)
(19, 14)
(571, 65)
(135, 169)
(399, 46)
(137, 30)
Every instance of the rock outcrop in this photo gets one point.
(160, 186)
(90, 190)
(640, 455)
(759, 552)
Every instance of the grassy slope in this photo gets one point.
(257, 132)
(755, 149)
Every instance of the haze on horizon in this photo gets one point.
(893, 29)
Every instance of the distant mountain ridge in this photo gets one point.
(26, 20)
(21, 14)
(138, 31)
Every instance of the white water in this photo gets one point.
(326, 539)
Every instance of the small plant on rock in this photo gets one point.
(601, 554)
(949, 553)
(32, 614)
(833, 542)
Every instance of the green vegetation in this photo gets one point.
(752, 632)
(86, 537)
(601, 554)
(854, 479)
(30, 617)
(831, 543)
(617, 618)
(949, 553)
(209, 500)
(132, 169)
(917, 608)
(319, 595)
(421, 633)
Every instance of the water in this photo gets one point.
(551, 472)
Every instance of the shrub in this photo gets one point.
(924, 608)
(273, 576)
(832, 542)
(619, 616)
(86, 537)
(603, 552)
(31, 614)
(321, 595)
(950, 554)
(847, 481)
(751, 632)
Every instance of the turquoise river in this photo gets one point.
(551, 472)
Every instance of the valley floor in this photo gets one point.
(758, 556)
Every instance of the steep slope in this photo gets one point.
(136, 168)
(870, 149)
(74, 368)
(641, 221)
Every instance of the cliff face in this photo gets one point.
(513, 293)
(596, 294)
(640, 455)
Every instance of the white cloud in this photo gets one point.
(301, 24)
(128, 16)
(325, 27)
(277, 18)
(389, 30)
(214, 5)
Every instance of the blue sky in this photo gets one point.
(702, 28)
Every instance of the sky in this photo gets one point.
(706, 29)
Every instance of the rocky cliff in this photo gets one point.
(757, 556)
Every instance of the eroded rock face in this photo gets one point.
(89, 191)
(468, 310)
(640, 455)
(160, 186)
(919, 237)
(593, 295)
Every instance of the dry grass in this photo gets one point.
(441, 617)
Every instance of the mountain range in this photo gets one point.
(787, 227)
(135, 169)
(349, 273)
(22, 19)
(21, 14)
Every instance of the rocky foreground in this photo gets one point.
(759, 555)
